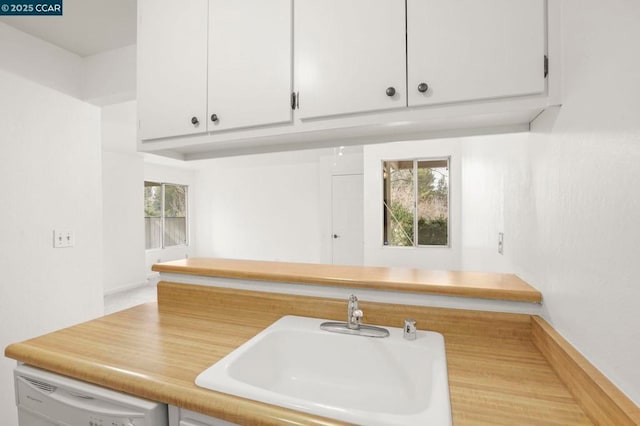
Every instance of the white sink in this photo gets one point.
(363, 380)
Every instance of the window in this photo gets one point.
(416, 202)
(165, 215)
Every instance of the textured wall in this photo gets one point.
(50, 169)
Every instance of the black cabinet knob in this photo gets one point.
(336, 236)
(214, 117)
(423, 87)
(391, 91)
(194, 121)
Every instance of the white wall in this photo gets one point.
(102, 79)
(110, 77)
(490, 166)
(126, 263)
(123, 199)
(50, 169)
(163, 170)
(270, 206)
(36, 60)
(479, 170)
(375, 253)
(576, 214)
(109, 80)
(263, 207)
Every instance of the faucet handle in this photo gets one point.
(352, 305)
(356, 316)
(410, 329)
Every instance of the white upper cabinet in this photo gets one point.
(172, 67)
(210, 65)
(250, 63)
(465, 50)
(231, 77)
(349, 56)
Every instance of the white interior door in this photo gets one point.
(250, 63)
(347, 219)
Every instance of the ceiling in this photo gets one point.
(86, 27)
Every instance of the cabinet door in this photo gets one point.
(347, 54)
(172, 67)
(468, 49)
(250, 63)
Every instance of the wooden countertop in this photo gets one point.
(464, 284)
(496, 374)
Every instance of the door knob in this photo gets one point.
(391, 91)
(423, 87)
(336, 236)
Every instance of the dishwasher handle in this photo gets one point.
(80, 400)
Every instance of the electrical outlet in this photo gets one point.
(63, 238)
(500, 242)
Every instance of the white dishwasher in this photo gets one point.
(45, 399)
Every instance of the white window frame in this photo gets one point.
(415, 202)
(162, 205)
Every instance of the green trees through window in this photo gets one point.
(165, 214)
(416, 202)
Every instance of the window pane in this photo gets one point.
(153, 215)
(433, 202)
(398, 203)
(175, 215)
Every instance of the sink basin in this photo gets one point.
(294, 364)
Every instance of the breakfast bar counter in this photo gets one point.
(485, 285)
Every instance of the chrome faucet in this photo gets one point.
(354, 323)
(354, 314)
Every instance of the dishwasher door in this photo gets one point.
(182, 417)
(45, 399)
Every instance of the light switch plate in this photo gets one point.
(63, 238)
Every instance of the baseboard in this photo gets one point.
(125, 288)
(600, 399)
